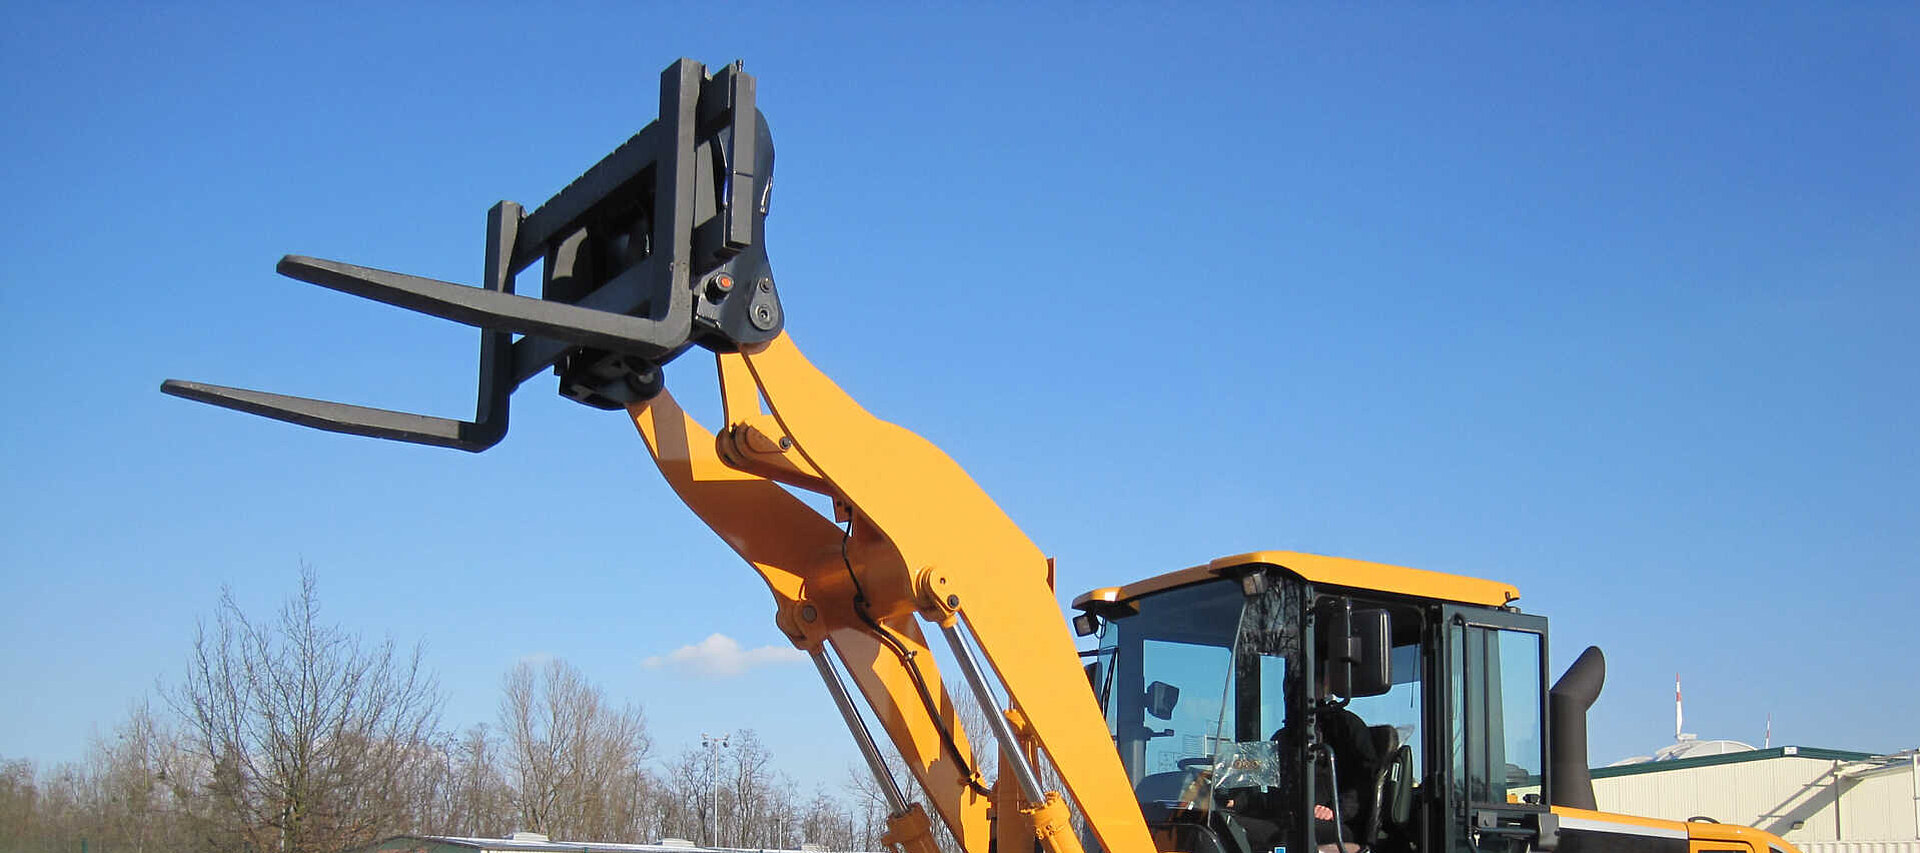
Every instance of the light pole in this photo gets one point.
(713, 744)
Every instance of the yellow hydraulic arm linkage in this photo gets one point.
(660, 247)
(923, 540)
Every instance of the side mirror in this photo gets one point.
(1358, 660)
(1373, 666)
(1161, 697)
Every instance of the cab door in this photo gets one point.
(1493, 787)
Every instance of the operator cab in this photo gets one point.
(1280, 701)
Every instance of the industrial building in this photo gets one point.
(1821, 800)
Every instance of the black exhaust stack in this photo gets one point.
(1567, 704)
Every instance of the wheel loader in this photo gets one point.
(1256, 703)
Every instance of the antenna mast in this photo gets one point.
(1678, 715)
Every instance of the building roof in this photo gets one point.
(1729, 758)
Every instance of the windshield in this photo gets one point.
(1194, 685)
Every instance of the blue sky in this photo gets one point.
(1618, 307)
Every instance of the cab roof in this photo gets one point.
(1319, 569)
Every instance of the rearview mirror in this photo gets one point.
(1161, 697)
(1359, 662)
(1373, 668)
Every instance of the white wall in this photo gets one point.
(1772, 794)
(1879, 805)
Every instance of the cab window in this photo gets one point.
(1498, 745)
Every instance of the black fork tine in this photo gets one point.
(488, 309)
(490, 410)
(339, 417)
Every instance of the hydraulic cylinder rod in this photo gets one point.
(1009, 748)
(896, 802)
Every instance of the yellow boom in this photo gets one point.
(922, 542)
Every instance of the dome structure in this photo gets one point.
(1690, 747)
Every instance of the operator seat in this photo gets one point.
(1390, 794)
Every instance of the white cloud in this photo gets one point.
(721, 656)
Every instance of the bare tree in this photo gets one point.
(477, 800)
(573, 759)
(129, 785)
(827, 824)
(304, 736)
(19, 804)
(867, 809)
(780, 824)
(748, 779)
(685, 802)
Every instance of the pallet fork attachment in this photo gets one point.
(656, 248)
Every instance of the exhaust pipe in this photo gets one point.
(1567, 705)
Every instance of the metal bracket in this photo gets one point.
(656, 248)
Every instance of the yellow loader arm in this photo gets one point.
(922, 540)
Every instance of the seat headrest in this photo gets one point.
(1386, 739)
